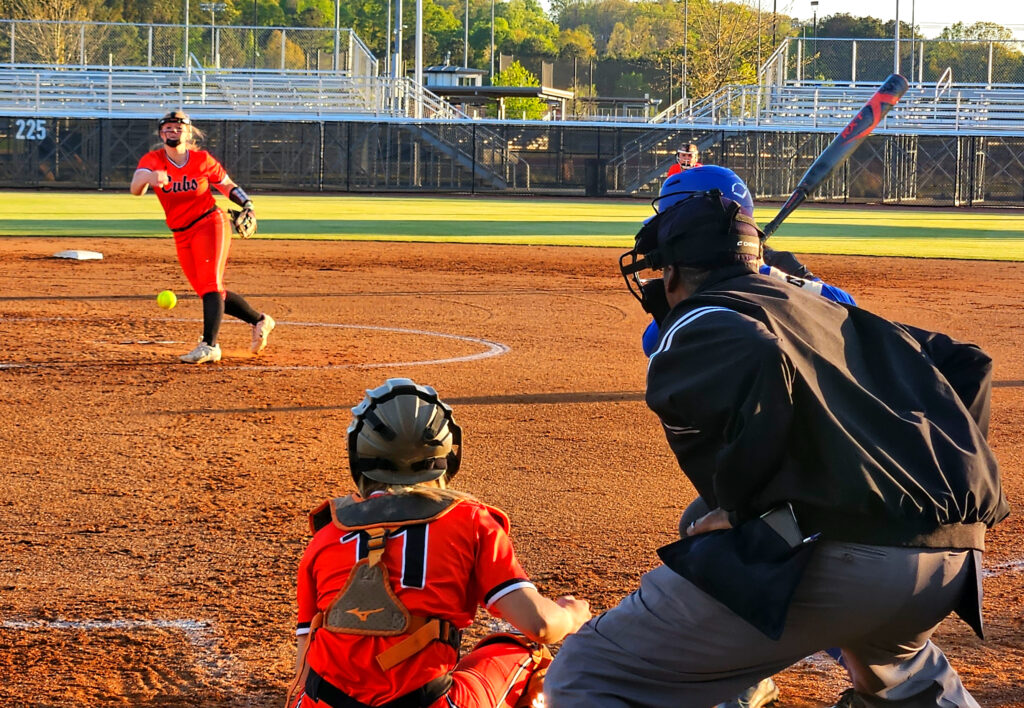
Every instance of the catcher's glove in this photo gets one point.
(244, 221)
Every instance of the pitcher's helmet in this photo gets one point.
(402, 433)
(174, 117)
(703, 179)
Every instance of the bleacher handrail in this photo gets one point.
(944, 83)
(837, 59)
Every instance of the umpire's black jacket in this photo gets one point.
(875, 432)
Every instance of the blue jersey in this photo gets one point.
(815, 285)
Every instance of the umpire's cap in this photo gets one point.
(704, 230)
(402, 433)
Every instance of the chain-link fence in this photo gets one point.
(473, 157)
(99, 44)
(832, 60)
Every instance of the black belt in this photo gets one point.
(320, 689)
(196, 220)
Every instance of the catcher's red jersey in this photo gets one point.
(188, 195)
(444, 569)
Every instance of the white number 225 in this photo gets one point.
(30, 129)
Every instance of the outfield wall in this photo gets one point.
(556, 159)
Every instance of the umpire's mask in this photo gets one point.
(704, 230)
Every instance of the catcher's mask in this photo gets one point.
(686, 155)
(703, 230)
(402, 433)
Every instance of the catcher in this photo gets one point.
(181, 175)
(396, 571)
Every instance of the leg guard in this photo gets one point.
(504, 670)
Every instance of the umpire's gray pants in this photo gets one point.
(670, 644)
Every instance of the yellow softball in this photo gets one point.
(166, 299)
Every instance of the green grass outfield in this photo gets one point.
(890, 231)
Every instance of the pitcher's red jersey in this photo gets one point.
(187, 196)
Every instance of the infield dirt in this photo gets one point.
(154, 512)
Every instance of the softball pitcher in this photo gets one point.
(182, 175)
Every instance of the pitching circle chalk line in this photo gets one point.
(490, 348)
(198, 632)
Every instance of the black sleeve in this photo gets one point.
(239, 197)
(966, 367)
(787, 263)
(723, 391)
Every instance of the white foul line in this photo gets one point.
(1000, 568)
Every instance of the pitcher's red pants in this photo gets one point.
(203, 252)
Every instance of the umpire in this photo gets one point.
(844, 459)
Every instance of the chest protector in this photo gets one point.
(368, 605)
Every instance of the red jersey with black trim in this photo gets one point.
(446, 568)
(187, 196)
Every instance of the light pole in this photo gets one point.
(188, 66)
(388, 26)
(759, 41)
(492, 42)
(896, 41)
(814, 43)
(213, 8)
(337, 35)
(396, 62)
(418, 57)
(686, 41)
(913, 41)
(255, 23)
(465, 39)
(775, 23)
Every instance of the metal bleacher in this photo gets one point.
(784, 99)
(925, 109)
(269, 74)
(126, 91)
(796, 90)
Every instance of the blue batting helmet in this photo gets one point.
(702, 179)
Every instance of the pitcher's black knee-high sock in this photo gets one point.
(213, 315)
(236, 306)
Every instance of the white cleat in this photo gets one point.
(260, 332)
(202, 354)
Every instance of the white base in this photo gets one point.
(80, 255)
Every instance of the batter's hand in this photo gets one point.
(158, 179)
(717, 520)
